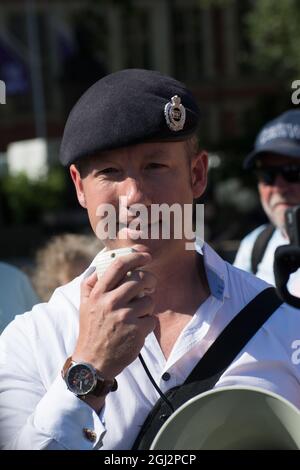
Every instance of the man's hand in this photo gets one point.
(114, 316)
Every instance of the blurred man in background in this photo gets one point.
(276, 163)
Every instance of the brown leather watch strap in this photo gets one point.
(103, 386)
(69, 362)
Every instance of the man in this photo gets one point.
(16, 294)
(140, 329)
(276, 163)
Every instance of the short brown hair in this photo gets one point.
(192, 146)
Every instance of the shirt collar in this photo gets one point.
(216, 270)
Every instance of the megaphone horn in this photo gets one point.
(232, 418)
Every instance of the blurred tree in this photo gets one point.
(27, 200)
(274, 34)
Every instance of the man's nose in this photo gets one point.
(280, 182)
(135, 191)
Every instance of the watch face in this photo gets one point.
(81, 379)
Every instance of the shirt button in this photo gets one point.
(166, 376)
(89, 434)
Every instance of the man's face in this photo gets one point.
(280, 194)
(144, 174)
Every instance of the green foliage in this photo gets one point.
(27, 199)
(274, 34)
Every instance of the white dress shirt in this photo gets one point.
(265, 267)
(16, 294)
(37, 411)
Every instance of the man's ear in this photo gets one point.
(199, 169)
(77, 180)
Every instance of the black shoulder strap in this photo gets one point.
(236, 335)
(260, 246)
(213, 364)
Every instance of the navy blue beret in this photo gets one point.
(281, 136)
(126, 108)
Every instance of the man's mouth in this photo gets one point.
(136, 230)
(136, 224)
(282, 204)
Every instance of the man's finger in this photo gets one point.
(88, 284)
(137, 282)
(142, 306)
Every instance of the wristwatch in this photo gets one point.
(84, 380)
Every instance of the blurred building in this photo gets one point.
(51, 51)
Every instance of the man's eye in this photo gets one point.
(155, 166)
(107, 171)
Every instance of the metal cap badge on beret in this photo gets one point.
(280, 136)
(126, 108)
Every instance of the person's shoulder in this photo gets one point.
(249, 286)
(252, 236)
(54, 322)
(8, 270)
(243, 256)
(63, 304)
(246, 283)
(240, 285)
(71, 291)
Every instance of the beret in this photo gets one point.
(280, 136)
(128, 107)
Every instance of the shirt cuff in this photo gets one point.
(67, 419)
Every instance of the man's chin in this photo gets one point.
(278, 217)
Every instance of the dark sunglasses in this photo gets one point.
(268, 175)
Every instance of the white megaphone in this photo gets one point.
(232, 418)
